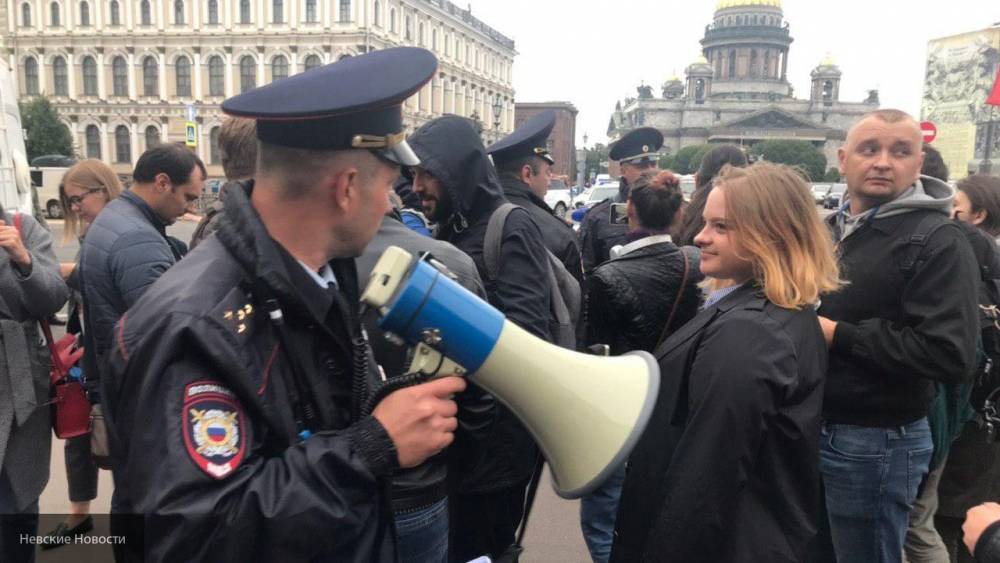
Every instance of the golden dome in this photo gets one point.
(723, 4)
(828, 60)
(701, 60)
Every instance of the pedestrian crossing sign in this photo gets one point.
(191, 136)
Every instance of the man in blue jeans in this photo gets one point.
(906, 317)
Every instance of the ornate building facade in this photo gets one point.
(738, 90)
(126, 74)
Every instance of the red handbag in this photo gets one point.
(70, 409)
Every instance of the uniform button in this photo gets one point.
(330, 365)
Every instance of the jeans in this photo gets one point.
(871, 476)
(422, 534)
(598, 512)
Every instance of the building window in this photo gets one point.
(278, 11)
(732, 64)
(60, 82)
(89, 76)
(279, 68)
(123, 147)
(31, 76)
(312, 61)
(152, 136)
(434, 40)
(420, 34)
(115, 13)
(93, 138)
(26, 15)
(244, 11)
(378, 13)
(216, 77)
(213, 12)
(345, 10)
(392, 20)
(145, 14)
(248, 74)
(311, 11)
(84, 14)
(214, 156)
(409, 28)
(179, 12)
(183, 69)
(54, 14)
(150, 77)
(119, 75)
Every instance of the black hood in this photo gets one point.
(451, 150)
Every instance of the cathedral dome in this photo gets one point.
(723, 4)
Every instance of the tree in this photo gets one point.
(688, 159)
(666, 162)
(793, 153)
(46, 133)
(832, 175)
(597, 160)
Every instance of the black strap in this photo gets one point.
(677, 301)
(529, 500)
(918, 241)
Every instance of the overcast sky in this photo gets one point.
(594, 53)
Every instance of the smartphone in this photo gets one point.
(619, 215)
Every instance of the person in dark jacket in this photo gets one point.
(244, 369)
(637, 152)
(419, 495)
(727, 469)
(907, 317)
(648, 289)
(524, 164)
(711, 164)
(494, 456)
(31, 290)
(238, 150)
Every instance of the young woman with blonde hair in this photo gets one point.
(84, 191)
(727, 469)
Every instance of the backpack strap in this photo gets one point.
(493, 239)
(918, 241)
(677, 300)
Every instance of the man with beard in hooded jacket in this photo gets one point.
(494, 455)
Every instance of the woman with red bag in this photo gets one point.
(31, 290)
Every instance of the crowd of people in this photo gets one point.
(828, 385)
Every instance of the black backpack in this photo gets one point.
(565, 299)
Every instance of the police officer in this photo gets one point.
(239, 377)
(636, 152)
(524, 164)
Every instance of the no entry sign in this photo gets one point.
(929, 131)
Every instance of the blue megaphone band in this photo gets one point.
(469, 327)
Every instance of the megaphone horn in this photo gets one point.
(585, 412)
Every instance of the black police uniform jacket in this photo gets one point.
(206, 442)
(597, 235)
(629, 298)
(558, 237)
(492, 450)
(728, 468)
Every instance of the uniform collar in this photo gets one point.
(324, 278)
(619, 251)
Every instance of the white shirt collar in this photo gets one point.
(620, 250)
(323, 278)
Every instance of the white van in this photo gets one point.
(46, 180)
(15, 180)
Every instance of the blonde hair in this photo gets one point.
(90, 174)
(771, 211)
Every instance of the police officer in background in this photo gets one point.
(524, 164)
(241, 373)
(636, 152)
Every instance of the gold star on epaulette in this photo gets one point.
(238, 316)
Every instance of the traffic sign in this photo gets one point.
(929, 131)
(191, 134)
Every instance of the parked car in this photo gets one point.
(835, 196)
(53, 161)
(597, 194)
(46, 180)
(820, 191)
(559, 197)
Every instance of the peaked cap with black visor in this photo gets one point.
(355, 103)
(637, 146)
(530, 139)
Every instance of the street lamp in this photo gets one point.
(497, 110)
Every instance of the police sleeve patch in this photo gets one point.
(214, 428)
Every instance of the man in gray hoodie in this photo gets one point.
(907, 317)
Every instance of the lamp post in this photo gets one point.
(497, 110)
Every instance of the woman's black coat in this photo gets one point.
(727, 470)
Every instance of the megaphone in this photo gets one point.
(585, 412)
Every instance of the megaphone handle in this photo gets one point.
(391, 385)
